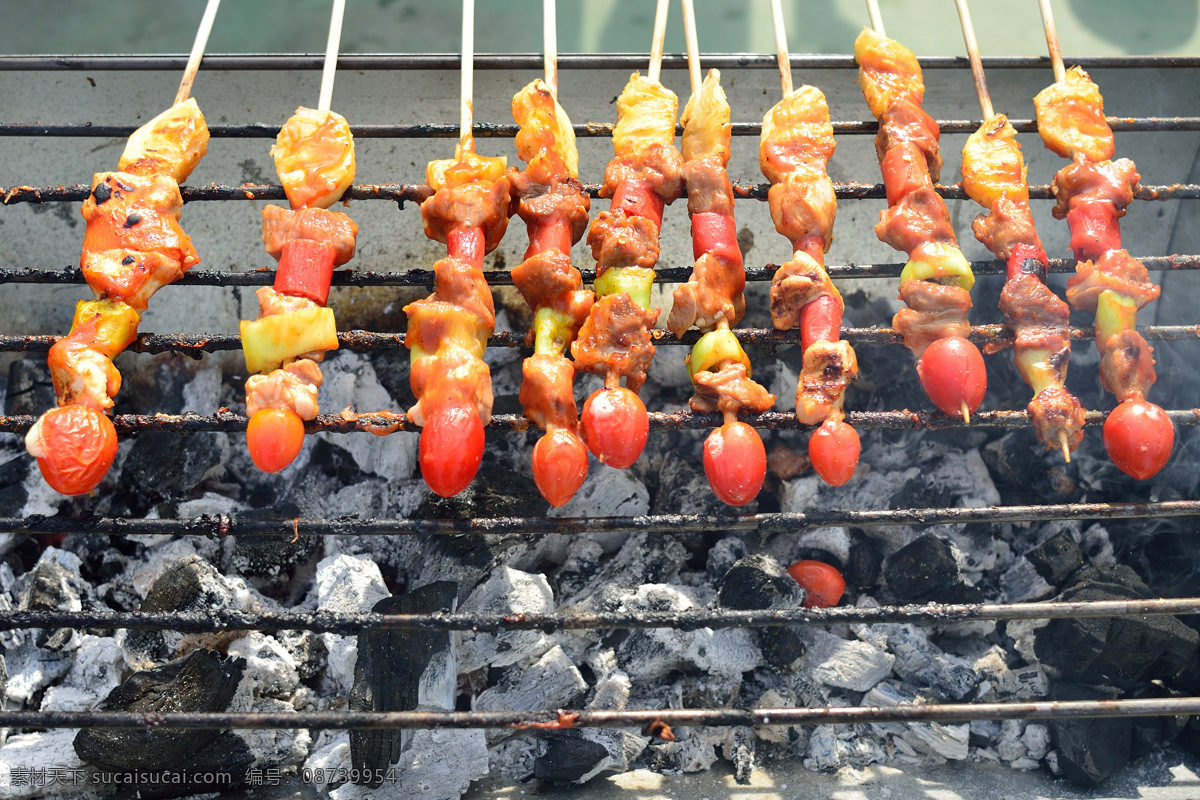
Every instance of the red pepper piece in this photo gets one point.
(1022, 260)
(636, 199)
(717, 234)
(549, 234)
(813, 245)
(820, 321)
(904, 171)
(1095, 229)
(466, 244)
(305, 269)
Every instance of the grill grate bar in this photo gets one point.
(221, 620)
(558, 719)
(196, 344)
(766, 523)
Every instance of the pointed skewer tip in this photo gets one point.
(1066, 449)
(966, 413)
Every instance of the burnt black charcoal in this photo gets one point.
(388, 672)
(1056, 558)
(566, 757)
(100, 561)
(925, 570)
(190, 584)
(1089, 750)
(270, 562)
(496, 492)
(202, 681)
(228, 754)
(164, 466)
(12, 485)
(864, 562)
(759, 582)
(30, 390)
(51, 587)
(3, 675)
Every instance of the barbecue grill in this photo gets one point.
(393, 255)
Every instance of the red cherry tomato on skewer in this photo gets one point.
(833, 450)
(953, 373)
(1138, 436)
(451, 449)
(78, 444)
(615, 426)
(735, 462)
(823, 584)
(560, 466)
(274, 437)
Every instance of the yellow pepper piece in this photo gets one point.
(116, 324)
(637, 281)
(268, 342)
(713, 350)
(947, 266)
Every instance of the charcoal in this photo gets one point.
(30, 390)
(506, 591)
(495, 492)
(202, 681)
(723, 555)
(926, 570)
(165, 466)
(551, 682)
(1056, 558)
(1089, 750)
(760, 582)
(269, 563)
(683, 488)
(388, 674)
(644, 558)
(13, 493)
(566, 757)
(188, 584)
(53, 587)
(864, 561)
(844, 663)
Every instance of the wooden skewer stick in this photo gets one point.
(876, 17)
(656, 47)
(467, 110)
(781, 48)
(1056, 61)
(331, 55)
(193, 64)
(1066, 448)
(968, 30)
(550, 45)
(693, 45)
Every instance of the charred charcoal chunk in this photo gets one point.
(190, 584)
(1056, 558)
(566, 757)
(390, 674)
(30, 390)
(1090, 750)
(926, 570)
(864, 562)
(496, 492)
(761, 582)
(203, 681)
(12, 485)
(162, 466)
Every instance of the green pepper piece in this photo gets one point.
(950, 267)
(714, 349)
(634, 280)
(552, 331)
(1115, 313)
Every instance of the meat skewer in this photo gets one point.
(555, 208)
(132, 247)
(448, 331)
(797, 143)
(935, 283)
(735, 460)
(994, 176)
(615, 341)
(1093, 193)
(314, 156)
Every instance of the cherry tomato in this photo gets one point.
(451, 449)
(953, 373)
(823, 584)
(735, 462)
(560, 466)
(615, 426)
(833, 450)
(274, 437)
(75, 446)
(820, 321)
(1138, 436)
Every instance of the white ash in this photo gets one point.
(844, 663)
(43, 750)
(921, 662)
(95, 671)
(1000, 682)
(553, 681)
(1023, 583)
(1097, 545)
(608, 492)
(210, 503)
(834, 541)
(933, 740)
(346, 584)
(507, 591)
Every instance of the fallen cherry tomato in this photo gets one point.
(952, 373)
(822, 583)
(833, 450)
(560, 466)
(75, 446)
(1138, 436)
(735, 462)
(615, 426)
(451, 449)
(274, 437)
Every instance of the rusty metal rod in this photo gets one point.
(417, 192)
(196, 344)
(221, 620)
(769, 523)
(226, 421)
(424, 277)
(559, 719)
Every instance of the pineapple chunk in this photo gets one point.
(466, 167)
(106, 326)
(887, 71)
(1070, 117)
(546, 141)
(992, 164)
(706, 128)
(170, 144)
(268, 342)
(314, 156)
(646, 112)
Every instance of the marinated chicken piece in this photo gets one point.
(829, 367)
(314, 156)
(454, 375)
(618, 240)
(471, 191)
(131, 275)
(796, 132)
(644, 140)
(136, 212)
(1053, 410)
(993, 167)
(888, 72)
(906, 122)
(1030, 307)
(1071, 121)
(540, 203)
(1007, 225)
(82, 376)
(547, 280)
(1126, 365)
(333, 228)
(1116, 270)
(796, 284)
(171, 144)
(919, 218)
(548, 391)
(1111, 182)
(615, 341)
(546, 141)
(708, 187)
(712, 295)
(706, 127)
(729, 390)
(292, 387)
(935, 311)
(271, 302)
